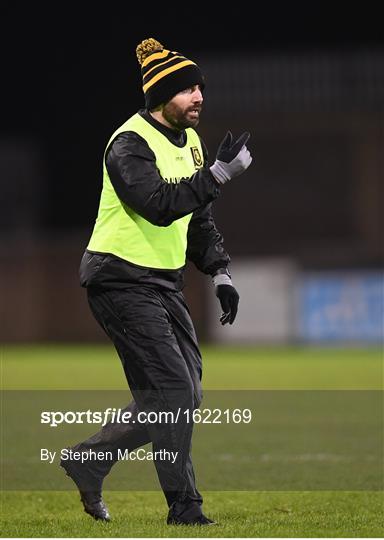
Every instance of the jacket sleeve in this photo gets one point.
(131, 166)
(205, 243)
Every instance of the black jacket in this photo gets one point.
(131, 166)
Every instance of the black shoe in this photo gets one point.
(200, 520)
(92, 500)
(180, 514)
(94, 505)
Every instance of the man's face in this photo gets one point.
(183, 110)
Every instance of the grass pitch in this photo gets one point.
(240, 514)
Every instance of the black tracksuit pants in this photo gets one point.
(154, 336)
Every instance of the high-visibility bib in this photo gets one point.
(119, 230)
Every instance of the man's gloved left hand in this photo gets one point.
(229, 300)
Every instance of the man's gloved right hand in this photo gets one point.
(232, 158)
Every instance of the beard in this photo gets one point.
(181, 118)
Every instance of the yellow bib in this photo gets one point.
(121, 231)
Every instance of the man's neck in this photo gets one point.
(176, 137)
(158, 116)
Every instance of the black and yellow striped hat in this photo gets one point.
(165, 73)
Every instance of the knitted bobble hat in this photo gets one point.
(165, 73)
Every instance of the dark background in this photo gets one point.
(74, 76)
(313, 103)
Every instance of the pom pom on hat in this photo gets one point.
(146, 48)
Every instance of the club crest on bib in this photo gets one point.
(196, 156)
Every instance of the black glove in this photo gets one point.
(232, 158)
(229, 149)
(229, 300)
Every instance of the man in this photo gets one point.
(155, 211)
